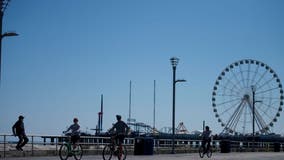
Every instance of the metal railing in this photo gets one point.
(48, 145)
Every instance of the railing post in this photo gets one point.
(56, 145)
(32, 145)
(157, 145)
(4, 146)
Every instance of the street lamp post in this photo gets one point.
(253, 88)
(253, 115)
(174, 62)
(253, 110)
(3, 5)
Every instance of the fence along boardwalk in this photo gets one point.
(46, 145)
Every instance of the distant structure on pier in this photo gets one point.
(181, 129)
(99, 126)
(144, 129)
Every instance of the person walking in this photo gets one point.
(19, 130)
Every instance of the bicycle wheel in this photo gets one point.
(107, 152)
(122, 153)
(209, 152)
(78, 152)
(63, 152)
(201, 152)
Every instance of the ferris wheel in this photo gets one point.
(243, 88)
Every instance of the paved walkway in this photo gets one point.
(190, 156)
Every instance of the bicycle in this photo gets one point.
(68, 149)
(208, 151)
(112, 149)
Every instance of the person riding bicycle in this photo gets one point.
(75, 132)
(119, 130)
(206, 138)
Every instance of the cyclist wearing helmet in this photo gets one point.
(206, 138)
(75, 132)
(120, 130)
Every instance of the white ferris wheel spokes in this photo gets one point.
(233, 92)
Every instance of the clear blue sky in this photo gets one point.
(69, 52)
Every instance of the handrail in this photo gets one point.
(94, 144)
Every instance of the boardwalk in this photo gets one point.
(191, 156)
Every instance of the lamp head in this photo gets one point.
(253, 88)
(174, 61)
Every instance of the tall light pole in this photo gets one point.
(253, 110)
(253, 115)
(154, 111)
(3, 5)
(253, 88)
(174, 62)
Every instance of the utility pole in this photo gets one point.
(129, 111)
